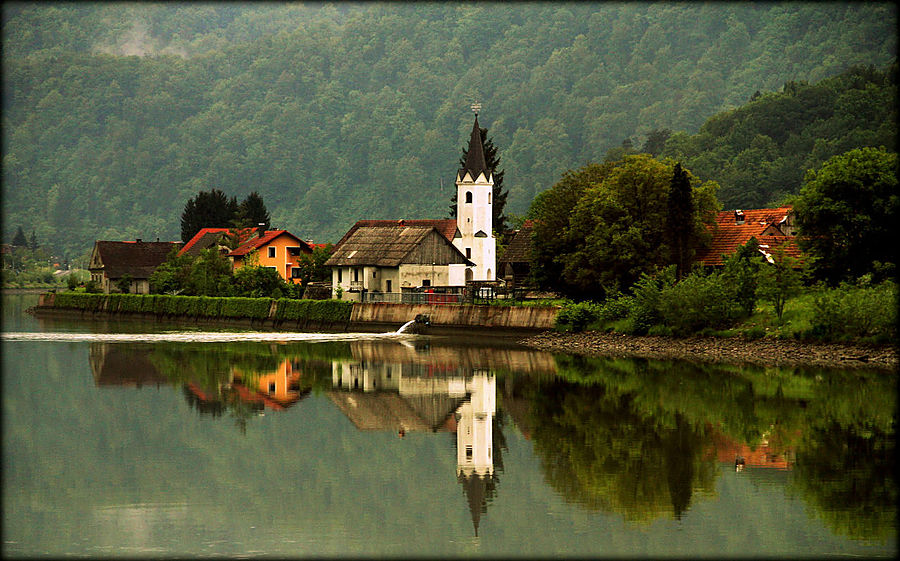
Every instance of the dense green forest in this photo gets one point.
(114, 115)
(759, 152)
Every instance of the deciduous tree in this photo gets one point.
(847, 213)
(600, 229)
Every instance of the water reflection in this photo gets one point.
(643, 440)
(415, 397)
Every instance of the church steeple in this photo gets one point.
(474, 211)
(475, 163)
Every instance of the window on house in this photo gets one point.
(271, 251)
(295, 272)
(489, 198)
(468, 196)
(340, 275)
(468, 253)
(355, 275)
(469, 452)
(426, 282)
(374, 274)
(271, 387)
(387, 286)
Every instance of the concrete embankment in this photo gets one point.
(445, 318)
(442, 318)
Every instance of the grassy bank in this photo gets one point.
(850, 314)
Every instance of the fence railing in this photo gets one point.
(412, 297)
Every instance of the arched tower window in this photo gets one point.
(468, 196)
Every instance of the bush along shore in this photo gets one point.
(281, 312)
(845, 326)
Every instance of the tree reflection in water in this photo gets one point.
(640, 438)
(846, 474)
(598, 451)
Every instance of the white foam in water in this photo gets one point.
(196, 337)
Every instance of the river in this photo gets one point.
(131, 439)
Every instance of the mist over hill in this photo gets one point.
(115, 114)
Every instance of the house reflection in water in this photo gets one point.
(414, 397)
(234, 388)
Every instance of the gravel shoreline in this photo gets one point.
(765, 352)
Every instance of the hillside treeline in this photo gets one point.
(336, 113)
(760, 152)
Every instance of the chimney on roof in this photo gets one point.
(738, 216)
(261, 229)
(400, 222)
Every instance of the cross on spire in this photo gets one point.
(476, 107)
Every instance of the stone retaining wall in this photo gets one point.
(518, 318)
(369, 316)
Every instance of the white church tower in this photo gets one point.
(474, 210)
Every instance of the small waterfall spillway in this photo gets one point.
(405, 326)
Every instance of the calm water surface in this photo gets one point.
(135, 439)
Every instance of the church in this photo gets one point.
(382, 259)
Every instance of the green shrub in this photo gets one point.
(239, 307)
(645, 303)
(698, 302)
(615, 307)
(576, 316)
(849, 312)
(80, 301)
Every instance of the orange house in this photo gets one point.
(276, 249)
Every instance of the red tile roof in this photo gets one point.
(258, 241)
(445, 226)
(206, 237)
(767, 225)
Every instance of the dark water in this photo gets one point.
(124, 440)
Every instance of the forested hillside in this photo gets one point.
(114, 115)
(760, 152)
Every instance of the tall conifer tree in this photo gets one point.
(252, 212)
(209, 209)
(680, 220)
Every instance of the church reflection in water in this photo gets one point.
(410, 397)
(401, 388)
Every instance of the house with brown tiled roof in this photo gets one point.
(400, 254)
(514, 265)
(773, 228)
(112, 261)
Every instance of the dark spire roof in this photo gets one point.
(475, 487)
(475, 163)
